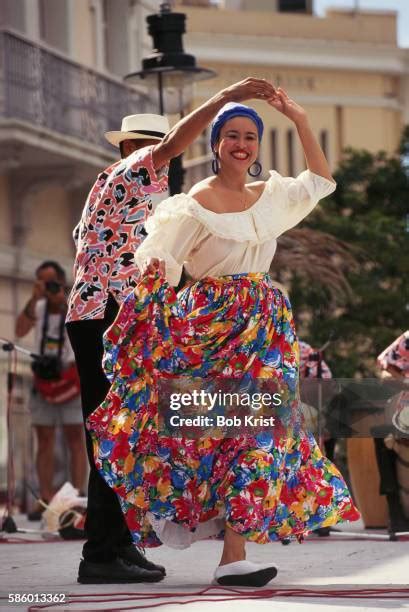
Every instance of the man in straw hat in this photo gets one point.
(110, 230)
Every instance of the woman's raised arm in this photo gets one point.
(315, 158)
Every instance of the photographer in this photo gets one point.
(55, 398)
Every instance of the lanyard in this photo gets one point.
(44, 333)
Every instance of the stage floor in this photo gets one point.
(32, 565)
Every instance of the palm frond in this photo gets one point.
(318, 257)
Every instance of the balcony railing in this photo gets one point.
(48, 90)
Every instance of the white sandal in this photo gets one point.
(245, 573)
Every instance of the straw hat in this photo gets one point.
(136, 127)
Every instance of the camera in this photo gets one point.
(53, 287)
(47, 367)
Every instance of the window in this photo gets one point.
(12, 14)
(53, 23)
(295, 6)
(324, 142)
(339, 117)
(116, 33)
(290, 152)
(273, 148)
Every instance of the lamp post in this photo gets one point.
(171, 72)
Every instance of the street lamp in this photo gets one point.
(171, 72)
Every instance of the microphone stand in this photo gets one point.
(8, 524)
(9, 347)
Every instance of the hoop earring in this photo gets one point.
(215, 164)
(258, 170)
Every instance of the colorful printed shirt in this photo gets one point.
(396, 355)
(110, 230)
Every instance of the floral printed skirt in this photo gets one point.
(265, 486)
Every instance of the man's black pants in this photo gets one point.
(105, 525)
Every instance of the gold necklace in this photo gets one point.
(243, 199)
(244, 204)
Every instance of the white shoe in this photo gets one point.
(245, 573)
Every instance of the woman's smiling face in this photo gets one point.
(238, 143)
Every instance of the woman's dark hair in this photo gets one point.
(56, 266)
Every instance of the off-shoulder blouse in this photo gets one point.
(184, 233)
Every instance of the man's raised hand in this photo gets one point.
(249, 89)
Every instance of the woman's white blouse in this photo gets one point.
(184, 233)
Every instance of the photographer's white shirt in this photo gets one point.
(53, 334)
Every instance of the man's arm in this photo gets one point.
(191, 126)
(27, 317)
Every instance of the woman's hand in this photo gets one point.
(152, 265)
(284, 104)
(315, 158)
(248, 89)
(191, 127)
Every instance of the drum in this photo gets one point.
(365, 480)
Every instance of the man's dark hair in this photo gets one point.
(56, 266)
(121, 149)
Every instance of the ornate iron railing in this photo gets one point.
(48, 90)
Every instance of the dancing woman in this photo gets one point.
(228, 321)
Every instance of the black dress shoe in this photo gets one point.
(37, 513)
(133, 555)
(323, 532)
(115, 572)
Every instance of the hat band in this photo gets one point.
(147, 133)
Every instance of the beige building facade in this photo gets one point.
(61, 88)
(346, 69)
(62, 64)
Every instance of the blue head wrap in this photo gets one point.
(230, 110)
